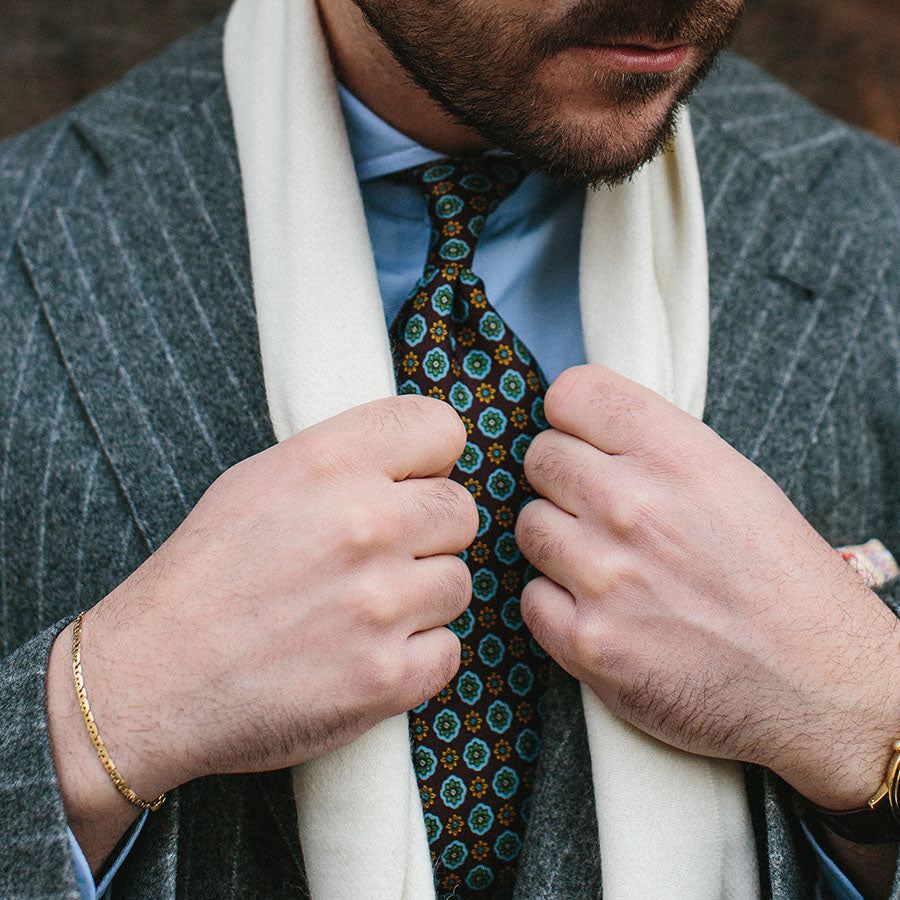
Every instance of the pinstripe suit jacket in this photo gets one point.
(130, 378)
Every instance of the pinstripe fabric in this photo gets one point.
(131, 378)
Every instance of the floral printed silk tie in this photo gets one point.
(475, 745)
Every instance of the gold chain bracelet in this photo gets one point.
(94, 734)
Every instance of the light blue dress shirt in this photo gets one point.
(528, 258)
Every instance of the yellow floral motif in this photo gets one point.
(511, 581)
(503, 516)
(516, 646)
(449, 758)
(410, 361)
(438, 331)
(441, 187)
(503, 355)
(502, 750)
(532, 380)
(487, 617)
(518, 417)
(445, 694)
(466, 337)
(485, 392)
(506, 814)
(479, 550)
(470, 425)
(479, 204)
(496, 454)
(478, 788)
(454, 825)
(451, 229)
(427, 795)
(473, 486)
(437, 392)
(472, 721)
(480, 850)
(477, 299)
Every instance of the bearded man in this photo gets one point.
(354, 388)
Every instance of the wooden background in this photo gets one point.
(842, 54)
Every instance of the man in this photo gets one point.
(678, 582)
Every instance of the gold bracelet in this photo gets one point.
(94, 734)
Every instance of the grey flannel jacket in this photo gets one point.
(130, 378)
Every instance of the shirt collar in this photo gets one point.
(378, 149)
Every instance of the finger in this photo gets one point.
(611, 412)
(432, 659)
(549, 611)
(549, 538)
(440, 515)
(569, 471)
(405, 437)
(437, 591)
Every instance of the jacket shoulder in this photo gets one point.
(41, 168)
(764, 120)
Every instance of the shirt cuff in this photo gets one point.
(833, 883)
(90, 890)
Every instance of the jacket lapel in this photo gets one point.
(144, 279)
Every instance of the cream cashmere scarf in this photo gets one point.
(670, 824)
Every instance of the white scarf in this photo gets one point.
(670, 824)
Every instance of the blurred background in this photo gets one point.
(841, 54)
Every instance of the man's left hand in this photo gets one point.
(688, 592)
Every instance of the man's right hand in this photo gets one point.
(301, 601)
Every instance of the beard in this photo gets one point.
(482, 63)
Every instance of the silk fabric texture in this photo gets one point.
(670, 824)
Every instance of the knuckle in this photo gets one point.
(631, 511)
(535, 539)
(374, 609)
(361, 528)
(384, 673)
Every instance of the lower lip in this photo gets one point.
(634, 58)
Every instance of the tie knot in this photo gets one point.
(460, 195)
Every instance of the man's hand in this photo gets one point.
(302, 601)
(690, 594)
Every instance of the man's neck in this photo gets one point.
(369, 71)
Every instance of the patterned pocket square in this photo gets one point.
(873, 561)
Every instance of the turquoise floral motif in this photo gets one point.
(476, 754)
(437, 173)
(476, 182)
(528, 744)
(460, 397)
(436, 364)
(442, 300)
(453, 792)
(409, 387)
(480, 878)
(522, 352)
(454, 854)
(454, 249)
(476, 364)
(433, 827)
(499, 716)
(471, 458)
(467, 276)
(447, 725)
(505, 782)
(501, 484)
(484, 584)
(492, 422)
(511, 613)
(424, 761)
(512, 386)
(521, 679)
(481, 818)
(415, 330)
(537, 413)
(491, 326)
(463, 624)
(476, 226)
(469, 687)
(508, 845)
(520, 447)
(491, 650)
(448, 206)
(506, 548)
(484, 520)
